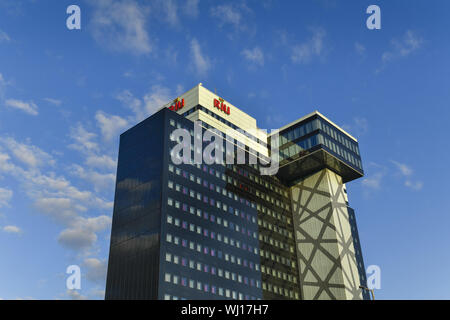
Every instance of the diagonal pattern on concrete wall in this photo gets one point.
(324, 242)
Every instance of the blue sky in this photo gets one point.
(66, 95)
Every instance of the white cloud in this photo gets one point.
(360, 49)
(121, 26)
(96, 270)
(83, 139)
(407, 172)
(131, 102)
(3, 84)
(62, 210)
(100, 181)
(75, 295)
(255, 56)
(156, 98)
(27, 107)
(5, 197)
(55, 102)
(360, 126)
(303, 53)
(57, 198)
(149, 104)
(81, 234)
(12, 229)
(110, 125)
(169, 10)
(4, 37)
(28, 154)
(373, 181)
(230, 14)
(404, 169)
(101, 161)
(417, 185)
(191, 8)
(402, 48)
(200, 61)
(375, 176)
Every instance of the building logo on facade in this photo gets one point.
(177, 104)
(218, 103)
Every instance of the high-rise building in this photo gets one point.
(187, 226)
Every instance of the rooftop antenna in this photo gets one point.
(215, 91)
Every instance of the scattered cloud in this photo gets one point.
(100, 181)
(96, 270)
(53, 101)
(314, 47)
(27, 107)
(227, 13)
(407, 173)
(417, 185)
(29, 155)
(375, 176)
(151, 102)
(55, 196)
(360, 49)
(101, 161)
(404, 169)
(81, 233)
(4, 36)
(12, 229)
(5, 197)
(83, 139)
(254, 56)
(110, 125)
(373, 181)
(75, 295)
(191, 8)
(359, 127)
(201, 62)
(121, 26)
(3, 84)
(402, 47)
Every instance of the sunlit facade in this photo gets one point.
(224, 230)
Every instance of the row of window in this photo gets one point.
(274, 242)
(338, 136)
(277, 258)
(273, 214)
(213, 219)
(280, 291)
(260, 181)
(340, 151)
(205, 287)
(219, 205)
(211, 235)
(275, 228)
(212, 172)
(298, 147)
(298, 132)
(212, 270)
(279, 274)
(231, 195)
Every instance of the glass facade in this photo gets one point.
(318, 132)
(196, 231)
(135, 237)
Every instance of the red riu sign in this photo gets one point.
(177, 104)
(221, 106)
